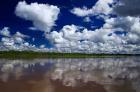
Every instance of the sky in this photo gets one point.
(84, 26)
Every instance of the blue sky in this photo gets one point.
(86, 26)
(9, 19)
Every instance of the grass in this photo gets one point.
(32, 55)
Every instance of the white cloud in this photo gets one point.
(32, 28)
(18, 34)
(5, 31)
(15, 41)
(127, 24)
(42, 46)
(87, 19)
(72, 38)
(43, 16)
(11, 41)
(101, 7)
(8, 42)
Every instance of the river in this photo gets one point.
(70, 75)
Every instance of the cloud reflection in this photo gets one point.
(109, 72)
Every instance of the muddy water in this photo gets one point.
(70, 75)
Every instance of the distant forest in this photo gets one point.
(32, 55)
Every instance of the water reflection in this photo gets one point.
(70, 75)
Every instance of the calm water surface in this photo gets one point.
(70, 75)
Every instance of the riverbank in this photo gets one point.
(32, 55)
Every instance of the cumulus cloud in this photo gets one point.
(128, 8)
(5, 31)
(18, 34)
(15, 41)
(72, 38)
(131, 25)
(43, 16)
(101, 7)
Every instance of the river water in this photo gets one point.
(70, 75)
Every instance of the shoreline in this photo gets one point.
(33, 55)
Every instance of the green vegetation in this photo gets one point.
(32, 55)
